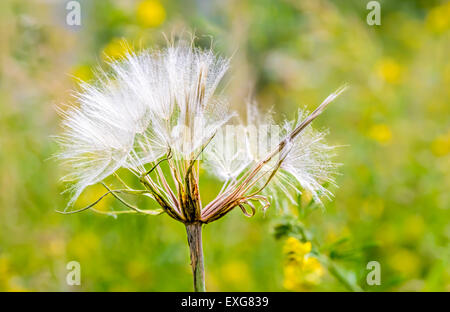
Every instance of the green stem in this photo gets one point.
(336, 272)
(194, 236)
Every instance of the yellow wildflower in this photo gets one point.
(414, 227)
(301, 270)
(389, 70)
(296, 250)
(82, 72)
(438, 19)
(150, 13)
(115, 49)
(292, 280)
(312, 271)
(4, 268)
(380, 133)
(84, 244)
(236, 272)
(405, 262)
(441, 145)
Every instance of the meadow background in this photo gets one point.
(392, 204)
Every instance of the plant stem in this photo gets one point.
(336, 272)
(194, 236)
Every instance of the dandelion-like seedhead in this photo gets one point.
(160, 106)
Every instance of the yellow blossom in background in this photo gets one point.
(115, 49)
(414, 227)
(441, 145)
(380, 133)
(438, 19)
(236, 272)
(4, 272)
(292, 276)
(82, 72)
(213, 282)
(296, 250)
(150, 13)
(8, 280)
(389, 71)
(301, 270)
(84, 244)
(312, 271)
(405, 262)
(299, 277)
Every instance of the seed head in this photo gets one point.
(160, 106)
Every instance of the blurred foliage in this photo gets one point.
(392, 204)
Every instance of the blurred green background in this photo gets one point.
(392, 204)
